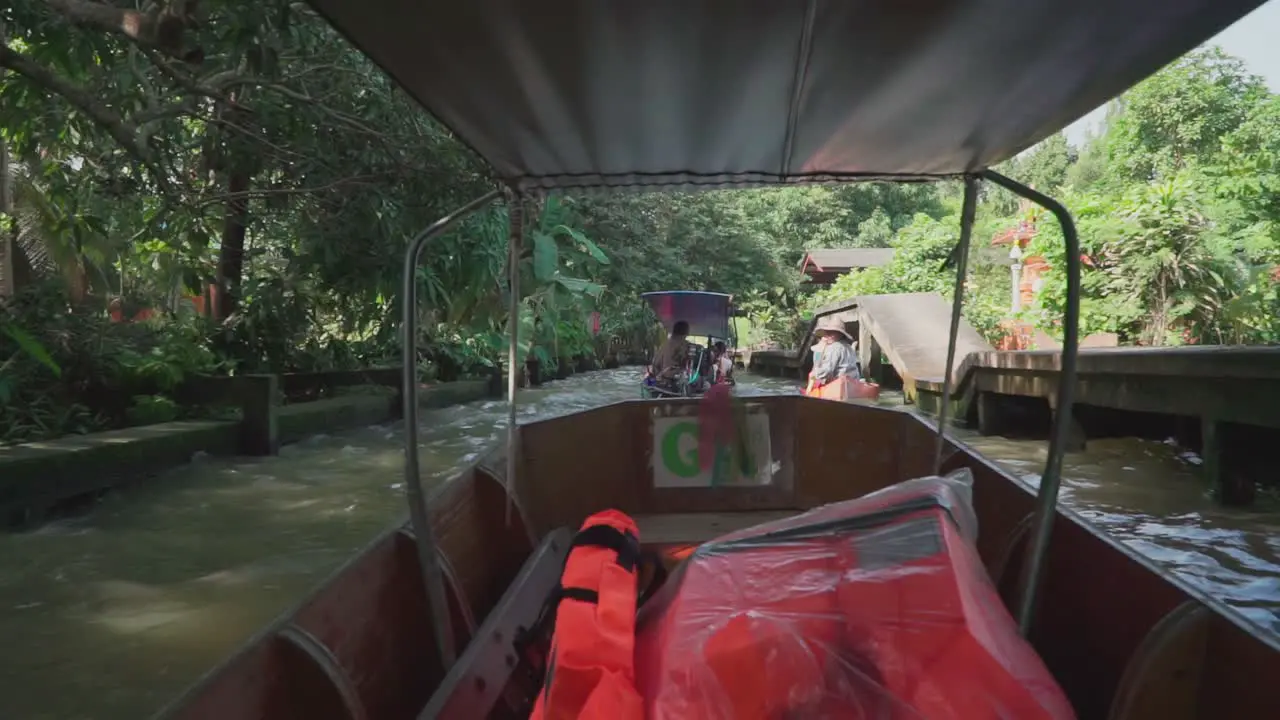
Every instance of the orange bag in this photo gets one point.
(590, 673)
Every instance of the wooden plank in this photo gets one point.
(683, 528)
(474, 685)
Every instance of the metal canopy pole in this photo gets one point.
(967, 212)
(1033, 566)
(515, 244)
(424, 535)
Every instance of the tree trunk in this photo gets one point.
(6, 208)
(231, 254)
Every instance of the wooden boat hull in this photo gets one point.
(845, 389)
(1122, 639)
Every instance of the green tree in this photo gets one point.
(1179, 116)
(1045, 166)
(1249, 175)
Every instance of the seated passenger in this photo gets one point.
(724, 363)
(701, 368)
(837, 358)
(672, 357)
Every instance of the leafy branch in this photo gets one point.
(161, 29)
(122, 131)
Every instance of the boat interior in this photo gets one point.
(1121, 639)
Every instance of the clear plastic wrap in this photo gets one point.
(877, 607)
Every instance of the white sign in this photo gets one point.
(676, 461)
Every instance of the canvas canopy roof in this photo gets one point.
(578, 93)
(706, 312)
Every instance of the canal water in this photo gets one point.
(110, 615)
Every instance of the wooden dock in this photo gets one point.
(1222, 401)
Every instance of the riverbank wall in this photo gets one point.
(39, 480)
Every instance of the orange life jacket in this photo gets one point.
(590, 672)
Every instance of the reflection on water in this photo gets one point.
(1150, 497)
(118, 611)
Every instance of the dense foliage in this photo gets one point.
(1178, 206)
(248, 182)
(243, 179)
(1177, 201)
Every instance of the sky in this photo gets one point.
(1255, 38)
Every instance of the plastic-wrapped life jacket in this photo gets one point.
(590, 671)
(877, 607)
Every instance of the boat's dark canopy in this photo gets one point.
(577, 93)
(706, 312)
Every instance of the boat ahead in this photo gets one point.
(1121, 639)
(708, 315)
(445, 617)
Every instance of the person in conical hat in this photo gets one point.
(838, 358)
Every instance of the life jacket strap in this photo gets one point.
(625, 544)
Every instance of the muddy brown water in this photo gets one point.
(111, 614)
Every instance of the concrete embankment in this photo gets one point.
(39, 478)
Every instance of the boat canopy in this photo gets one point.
(706, 312)
(590, 93)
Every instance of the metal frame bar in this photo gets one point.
(515, 245)
(1050, 482)
(423, 533)
(967, 212)
(1033, 567)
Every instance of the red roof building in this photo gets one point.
(822, 267)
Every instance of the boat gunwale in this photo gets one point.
(402, 528)
(960, 446)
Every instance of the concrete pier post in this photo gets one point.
(1211, 452)
(259, 427)
(990, 418)
(1076, 435)
(1232, 488)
